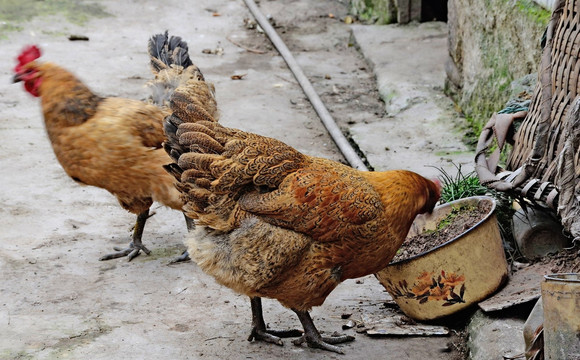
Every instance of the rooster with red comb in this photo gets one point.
(116, 143)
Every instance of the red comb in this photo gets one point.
(28, 54)
(437, 183)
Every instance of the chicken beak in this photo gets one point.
(16, 78)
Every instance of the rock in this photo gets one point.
(523, 286)
(390, 324)
(494, 338)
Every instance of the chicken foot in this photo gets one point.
(181, 258)
(259, 331)
(136, 245)
(185, 254)
(313, 338)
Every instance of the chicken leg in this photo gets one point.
(259, 331)
(185, 254)
(136, 245)
(313, 338)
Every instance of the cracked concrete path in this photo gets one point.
(421, 130)
(57, 300)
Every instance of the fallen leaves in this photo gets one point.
(217, 51)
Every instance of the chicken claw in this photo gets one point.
(181, 258)
(136, 245)
(272, 336)
(130, 252)
(259, 331)
(313, 338)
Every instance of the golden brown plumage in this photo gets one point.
(277, 223)
(116, 143)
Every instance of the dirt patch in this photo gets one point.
(458, 221)
(255, 40)
(457, 346)
(565, 261)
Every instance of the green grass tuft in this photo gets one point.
(459, 186)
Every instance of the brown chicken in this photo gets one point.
(116, 143)
(273, 222)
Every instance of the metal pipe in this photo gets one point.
(341, 141)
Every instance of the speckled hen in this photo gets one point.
(273, 222)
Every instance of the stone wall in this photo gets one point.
(491, 43)
(380, 12)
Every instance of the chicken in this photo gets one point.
(116, 143)
(273, 222)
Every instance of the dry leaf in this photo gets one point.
(217, 51)
(238, 77)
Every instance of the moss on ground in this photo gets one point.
(380, 12)
(14, 12)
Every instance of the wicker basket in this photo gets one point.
(543, 166)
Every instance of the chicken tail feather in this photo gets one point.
(166, 51)
(175, 72)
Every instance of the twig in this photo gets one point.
(255, 51)
(218, 337)
(283, 78)
(181, 291)
(78, 38)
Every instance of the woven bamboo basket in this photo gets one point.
(544, 164)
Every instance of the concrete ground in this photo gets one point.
(58, 301)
